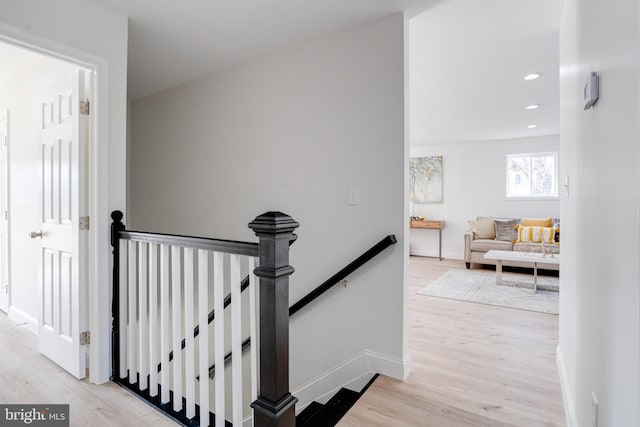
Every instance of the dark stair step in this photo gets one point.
(329, 414)
(339, 405)
(309, 412)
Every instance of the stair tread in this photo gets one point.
(340, 404)
(329, 414)
(318, 419)
(308, 413)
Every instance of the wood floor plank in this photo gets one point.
(27, 377)
(471, 365)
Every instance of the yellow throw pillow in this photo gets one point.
(536, 234)
(537, 222)
(483, 228)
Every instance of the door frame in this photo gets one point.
(98, 271)
(6, 114)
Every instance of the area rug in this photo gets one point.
(480, 286)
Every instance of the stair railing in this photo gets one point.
(161, 286)
(212, 315)
(338, 277)
(343, 273)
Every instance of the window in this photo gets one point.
(532, 175)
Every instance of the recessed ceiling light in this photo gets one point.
(532, 107)
(532, 126)
(532, 76)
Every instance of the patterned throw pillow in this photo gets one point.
(483, 228)
(506, 229)
(536, 234)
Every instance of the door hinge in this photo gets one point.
(84, 222)
(85, 338)
(6, 215)
(84, 107)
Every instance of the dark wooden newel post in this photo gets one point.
(116, 227)
(275, 406)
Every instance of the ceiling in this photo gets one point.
(467, 63)
(14, 60)
(172, 42)
(467, 57)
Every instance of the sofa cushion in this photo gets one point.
(483, 228)
(537, 222)
(484, 245)
(506, 229)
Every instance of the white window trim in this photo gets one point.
(545, 197)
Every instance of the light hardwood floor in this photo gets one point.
(471, 365)
(27, 377)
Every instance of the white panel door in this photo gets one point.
(4, 211)
(62, 287)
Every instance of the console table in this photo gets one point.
(430, 224)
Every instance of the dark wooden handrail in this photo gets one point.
(210, 318)
(217, 245)
(346, 271)
(328, 284)
(212, 369)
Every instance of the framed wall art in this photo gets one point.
(426, 179)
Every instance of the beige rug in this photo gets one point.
(480, 286)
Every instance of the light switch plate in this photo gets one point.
(591, 90)
(354, 195)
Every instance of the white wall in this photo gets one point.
(474, 183)
(87, 32)
(291, 132)
(21, 95)
(599, 299)
(92, 30)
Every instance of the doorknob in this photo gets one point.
(35, 234)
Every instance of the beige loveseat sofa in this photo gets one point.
(475, 248)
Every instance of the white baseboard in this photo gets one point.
(434, 253)
(569, 408)
(390, 366)
(331, 381)
(21, 317)
(349, 372)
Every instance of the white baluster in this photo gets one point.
(165, 333)
(189, 309)
(153, 322)
(203, 308)
(122, 313)
(143, 336)
(218, 306)
(176, 303)
(253, 318)
(236, 340)
(133, 321)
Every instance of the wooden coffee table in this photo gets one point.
(533, 258)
